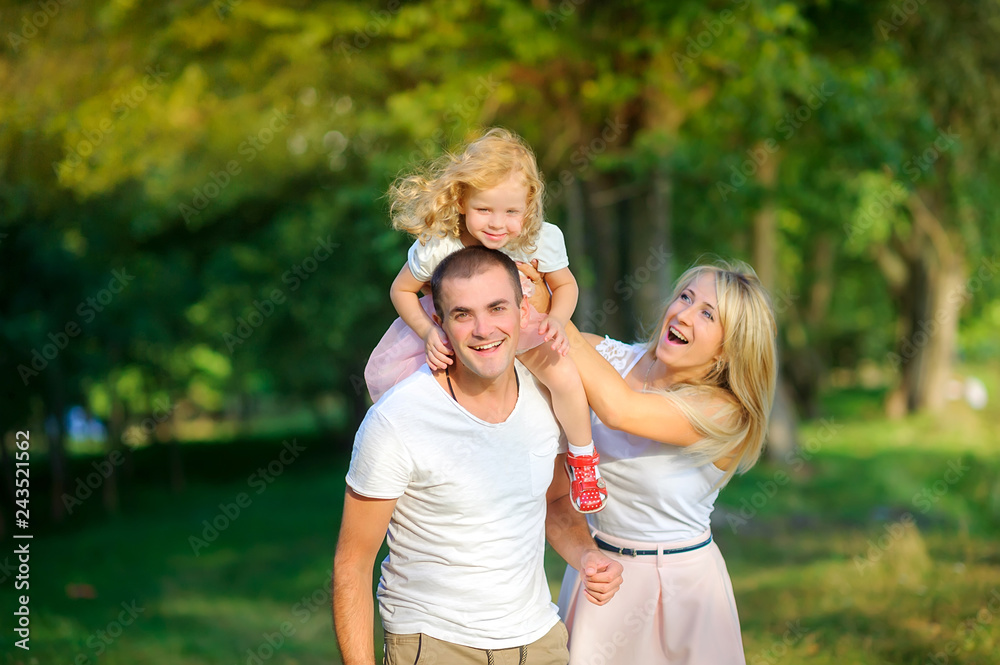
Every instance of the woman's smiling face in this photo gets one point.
(691, 337)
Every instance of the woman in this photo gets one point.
(674, 419)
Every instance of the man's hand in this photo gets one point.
(601, 576)
(569, 535)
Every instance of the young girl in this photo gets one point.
(490, 195)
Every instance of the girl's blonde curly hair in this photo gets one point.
(429, 205)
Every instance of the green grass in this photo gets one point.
(863, 549)
(877, 544)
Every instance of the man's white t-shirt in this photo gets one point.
(467, 536)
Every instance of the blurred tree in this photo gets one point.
(922, 211)
(226, 162)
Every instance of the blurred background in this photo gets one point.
(195, 257)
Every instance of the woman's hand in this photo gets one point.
(437, 348)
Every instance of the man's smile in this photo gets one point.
(482, 348)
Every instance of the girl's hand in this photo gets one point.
(437, 348)
(541, 299)
(553, 331)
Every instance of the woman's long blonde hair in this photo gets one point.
(429, 204)
(745, 378)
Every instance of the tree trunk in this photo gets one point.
(765, 251)
(576, 245)
(807, 347)
(925, 350)
(930, 304)
(939, 352)
(607, 260)
(651, 254)
(782, 432)
(177, 479)
(56, 434)
(782, 435)
(116, 429)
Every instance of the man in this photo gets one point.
(459, 465)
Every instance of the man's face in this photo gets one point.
(483, 321)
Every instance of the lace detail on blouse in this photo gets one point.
(617, 353)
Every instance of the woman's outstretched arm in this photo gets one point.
(648, 415)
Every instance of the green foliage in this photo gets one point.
(205, 147)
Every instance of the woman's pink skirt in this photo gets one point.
(671, 609)
(401, 351)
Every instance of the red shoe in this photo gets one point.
(587, 490)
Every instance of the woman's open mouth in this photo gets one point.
(674, 336)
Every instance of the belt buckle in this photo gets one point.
(626, 551)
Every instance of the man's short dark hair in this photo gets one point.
(469, 262)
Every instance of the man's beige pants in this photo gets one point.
(421, 649)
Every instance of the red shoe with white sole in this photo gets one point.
(587, 489)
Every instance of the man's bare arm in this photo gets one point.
(362, 530)
(569, 535)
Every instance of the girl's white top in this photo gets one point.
(656, 494)
(550, 250)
